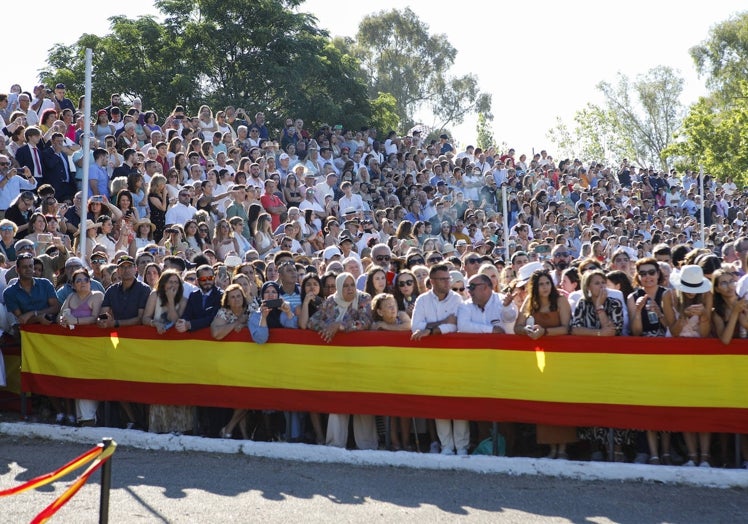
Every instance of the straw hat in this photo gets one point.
(144, 222)
(90, 224)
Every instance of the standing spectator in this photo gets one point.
(347, 310)
(551, 315)
(688, 313)
(435, 313)
(272, 203)
(32, 300)
(202, 304)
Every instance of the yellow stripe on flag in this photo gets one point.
(609, 378)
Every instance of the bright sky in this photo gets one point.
(539, 59)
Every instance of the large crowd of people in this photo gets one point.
(216, 221)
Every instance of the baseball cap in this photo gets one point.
(330, 252)
(125, 259)
(73, 261)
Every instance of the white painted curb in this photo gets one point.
(702, 477)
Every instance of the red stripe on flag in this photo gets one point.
(463, 341)
(731, 420)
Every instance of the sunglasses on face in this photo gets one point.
(473, 260)
(405, 283)
(562, 254)
(385, 258)
(434, 260)
(458, 289)
(648, 272)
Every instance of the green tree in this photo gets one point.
(648, 111)
(714, 134)
(723, 57)
(715, 137)
(262, 55)
(384, 112)
(137, 58)
(485, 138)
(265, 55)
(404, 59)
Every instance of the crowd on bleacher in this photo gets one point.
(221, 221)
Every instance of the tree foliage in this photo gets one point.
(715, 137)
(648, 111)
(261, 55)
(402, 58)
(137, 58)
(485, 138)
(384, 113)
(723, 57)
(715, 134)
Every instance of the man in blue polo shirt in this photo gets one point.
(124, 302)
(32, 300)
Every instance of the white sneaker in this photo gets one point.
(435, 447)
(448, 451)
(689, 464)
(462, 452)
(705, 464)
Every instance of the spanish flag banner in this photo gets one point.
(625, 382)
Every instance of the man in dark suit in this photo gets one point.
(56, 168)
(30, 154)
(202, 304)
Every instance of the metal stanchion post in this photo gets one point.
(106, 484)
(24, 406)
(737, 450)
(495, 438)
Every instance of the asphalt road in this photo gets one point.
(150, 486)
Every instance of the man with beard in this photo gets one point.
(561, 258)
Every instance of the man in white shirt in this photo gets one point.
(182, 211)
(326, 187)
(349, 199)
(24, 106)
(43, 100)
(484, 312)
(435, 313)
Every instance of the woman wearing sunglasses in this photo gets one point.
(405, 291)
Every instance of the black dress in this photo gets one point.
(158, 218)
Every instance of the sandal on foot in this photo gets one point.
(655, 461)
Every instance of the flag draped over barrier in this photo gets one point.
(628, 382)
